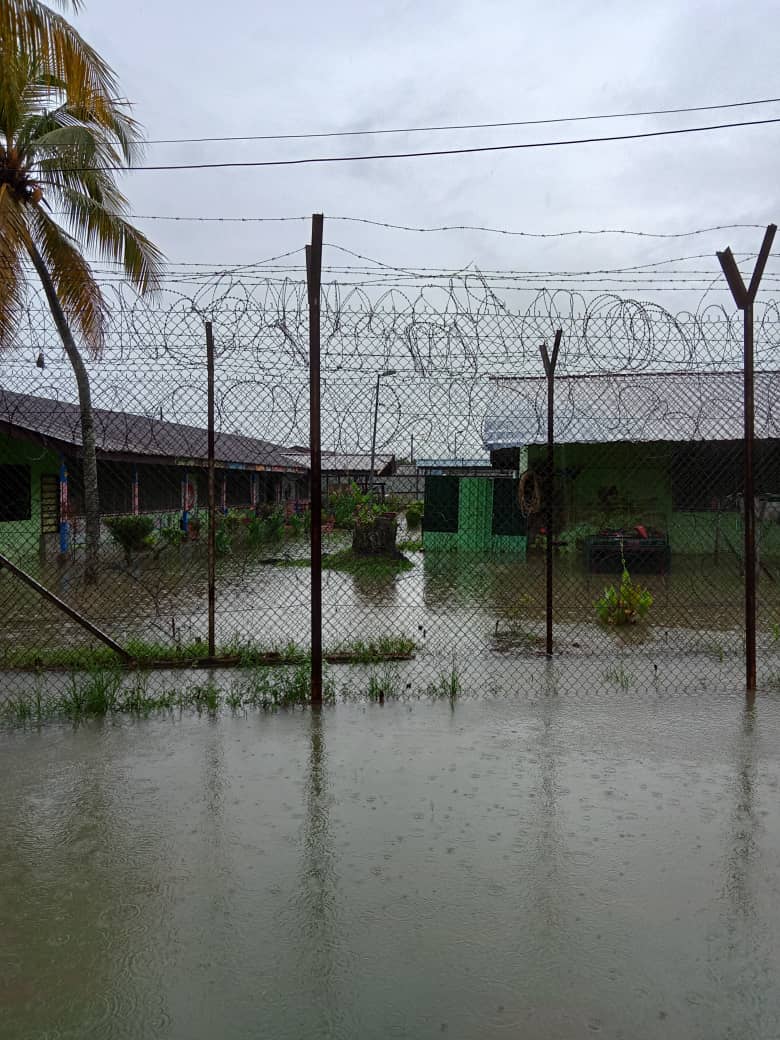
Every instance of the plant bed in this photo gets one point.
(357, 659)
(643, 553)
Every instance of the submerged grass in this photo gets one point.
(619, 677)
(147, 654)
(362, 652)
(448, 684)
(384, 684)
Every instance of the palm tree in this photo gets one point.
(32, 27)
(59, 151)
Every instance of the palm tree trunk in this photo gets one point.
(91, 499)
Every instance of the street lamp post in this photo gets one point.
(379, 375)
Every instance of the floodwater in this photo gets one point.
(485, 610)
(581, 862)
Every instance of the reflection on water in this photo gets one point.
(549, 866)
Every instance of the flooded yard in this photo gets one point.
(575, 862)
(482, 614)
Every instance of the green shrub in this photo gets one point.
(296, 524)
(626, 604)
(414, 514)
(172, 535)
(223, 540)
(349, 506)
(274, 525)
(132, 533)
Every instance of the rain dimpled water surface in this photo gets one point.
(573, 863)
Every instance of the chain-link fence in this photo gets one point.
(436, 501)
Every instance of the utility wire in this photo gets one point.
(435, 152)
(463, 126)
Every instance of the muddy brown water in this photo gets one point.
(576, 862)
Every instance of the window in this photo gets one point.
(707, 475)
(507, 518)
(14, 493)
(442, 497)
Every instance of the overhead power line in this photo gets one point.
(464, 126)
(439, 151)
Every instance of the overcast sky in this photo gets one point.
(196, 68)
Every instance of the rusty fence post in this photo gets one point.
(744, 299)
(549, 368)
(314, 285)
(212, 540)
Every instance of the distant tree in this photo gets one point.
(62, 139)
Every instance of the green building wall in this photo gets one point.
(642, 475)
(19, 537)
(475, 524)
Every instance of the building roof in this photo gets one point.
(451, 464)
(123, 435)
(343, 462)
(645, 406)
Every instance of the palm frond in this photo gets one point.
(78, 292)
(34, 28)
(13, 283)
(103, 230)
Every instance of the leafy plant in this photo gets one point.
(132, 533)
(625, 604)
(296, 523)
(351, 505)
(171, 536)
(573, 539)
(414, 514)
(274, 525)
(222, 538)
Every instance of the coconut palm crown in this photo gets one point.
(60, 152)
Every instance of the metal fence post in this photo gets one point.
(744, 299)
(314, 284)
(549, 368)
(212, 542)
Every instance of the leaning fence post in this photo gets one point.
(313, 283)
(744, 299)
(549, 368)
(212, 540)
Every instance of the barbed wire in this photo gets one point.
(444, 343)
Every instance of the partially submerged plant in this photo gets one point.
(132, 533)
(625, 604)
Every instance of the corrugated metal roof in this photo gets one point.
(124, 434)
(453, 463)
(345, 462)
(668, 406)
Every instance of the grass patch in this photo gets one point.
(281, 688)
(620, 677)
(147, 655)
(107, 692)
(448, 684)
(383, 685)
(382, 649)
